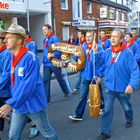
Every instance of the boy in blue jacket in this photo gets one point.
(121, 78)
(5, 81)
(28, 95)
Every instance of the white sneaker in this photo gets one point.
(34, 132)
(101, 111)
(74, 118)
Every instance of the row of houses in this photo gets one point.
(65, 16)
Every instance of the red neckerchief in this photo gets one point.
(47, 37)
(115, 52)
(2, 48)
(15, 61)
(104, 40)
(29, 40)
(82, 41)
(131, 43)
(135, 37)
(89, 46)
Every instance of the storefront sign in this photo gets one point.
(4, 6)
(109, 23)
(66, 23)
(84, 23)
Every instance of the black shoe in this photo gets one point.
(128, 124)
(74, 118)
(103, 136)
(66, 95)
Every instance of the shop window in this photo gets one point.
(65, 33)
(64, 4)
(89, 7)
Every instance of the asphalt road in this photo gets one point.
(60, 108)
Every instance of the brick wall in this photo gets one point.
(66, 15)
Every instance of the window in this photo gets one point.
(77, 9)
(89, 7)
(65, 33)
(119, 1)
(64, 4)
(118, 15)
(123, 17)
(112, 13)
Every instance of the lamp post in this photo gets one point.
(28, 16)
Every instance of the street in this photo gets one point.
(60, 108)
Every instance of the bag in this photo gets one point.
(94, 100)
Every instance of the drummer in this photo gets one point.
(87, 74)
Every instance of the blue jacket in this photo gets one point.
(28, 94)
(107, 44)
(136, 51)
(5, 80)
(138, 41)
(118, 75)
(57, 54)
(88, 71)
(32, 46)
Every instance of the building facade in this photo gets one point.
(71, 15)
(134, 17)
(31, 14)
(113, 14)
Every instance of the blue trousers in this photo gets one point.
(40, 119)
(84, 92)
(107, 117)
(47, 72)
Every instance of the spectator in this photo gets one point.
(71, 40)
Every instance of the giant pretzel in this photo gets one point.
(66, 57)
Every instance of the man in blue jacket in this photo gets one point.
(30, 43)
(121, 78)
(104, 41)
(50, 39)
(5, 81)
(135, 37)
(80, 41)
(130, 43)
(89, 71)
(28, 95)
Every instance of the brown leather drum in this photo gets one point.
(66, 57)
(94, 100)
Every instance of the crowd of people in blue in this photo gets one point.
(115, 62)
